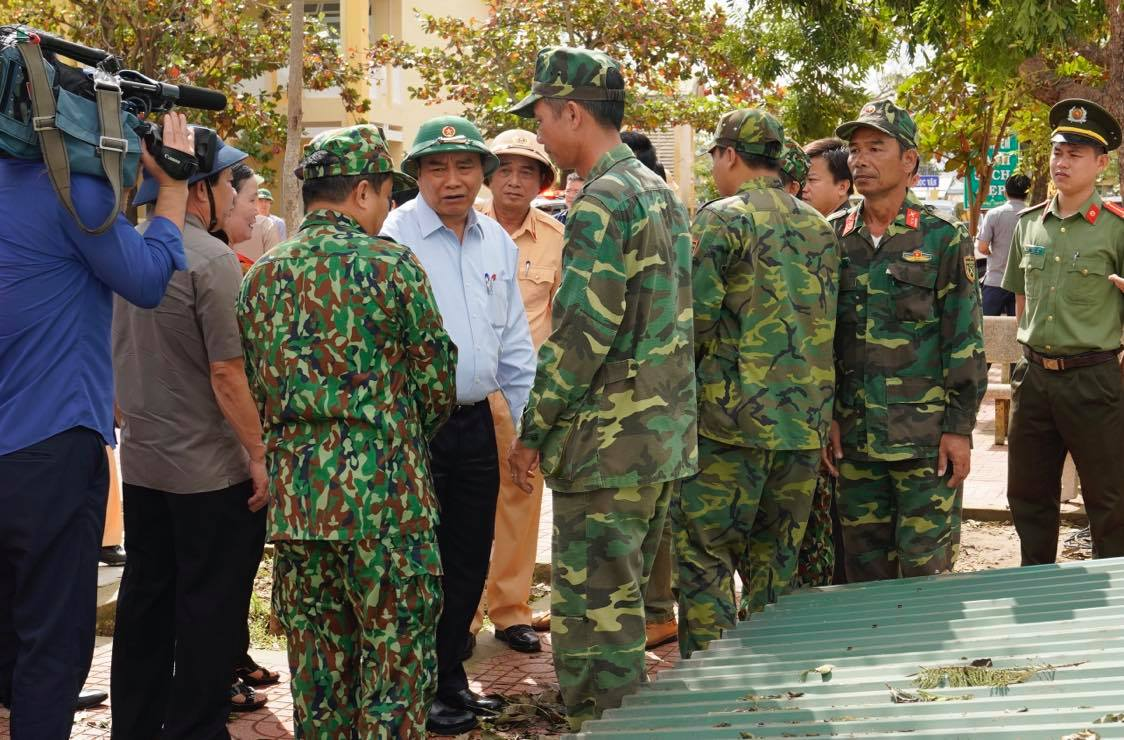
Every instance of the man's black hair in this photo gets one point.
(759, 161)
(337, 189)
(642, 147)
(609, 113)
(1017, 186)
(834, 151)
(239, 174)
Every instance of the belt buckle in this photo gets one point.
(1051, 363)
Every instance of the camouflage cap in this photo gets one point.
(794, 162)
(355, 150)
(569, 73)
(885, 116)
(749, 131)
(446, 134)
(264, 194)
(1077, 121)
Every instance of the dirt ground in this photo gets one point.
(989, 545)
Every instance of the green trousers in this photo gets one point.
(604, 544)
(816, 564)
(899, 519)
(1080, 411)
(659, 595)
(744, 512)
(361, 625)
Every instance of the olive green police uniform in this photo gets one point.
(1067, 390)
(909, 352)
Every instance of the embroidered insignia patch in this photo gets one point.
(1078, 114)
(917, 256)
(1035, 249)
(970, 268)
(912, 218)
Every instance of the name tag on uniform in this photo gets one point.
(1035, 249)
(917, 256)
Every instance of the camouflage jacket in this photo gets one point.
(613, 403)
(765, 272)
(352, 373)
(908, 343)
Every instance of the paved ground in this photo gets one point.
(496, 669)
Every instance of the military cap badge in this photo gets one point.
(1077, 114)
(448, 131)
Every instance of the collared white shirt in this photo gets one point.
(477, 293)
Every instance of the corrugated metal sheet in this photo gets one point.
(748, 684)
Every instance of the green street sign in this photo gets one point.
(1006, 162)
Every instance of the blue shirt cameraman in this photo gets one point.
(56, 415)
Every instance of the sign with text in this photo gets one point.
(929, 181)
(1006, 161)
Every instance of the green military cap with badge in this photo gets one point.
(795, 163)
(569, 73)
(345, 152)
(885, 116)
(445, 135)
(264, 194)
(1077, 121)
(749, 131)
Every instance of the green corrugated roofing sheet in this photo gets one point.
(749, 684)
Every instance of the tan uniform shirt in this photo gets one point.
(263, 238)
(539, 240)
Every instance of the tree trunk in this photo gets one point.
(291, 205)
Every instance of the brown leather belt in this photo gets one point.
(1085, 359)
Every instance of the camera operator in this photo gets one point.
(56, 414)
(192, 463)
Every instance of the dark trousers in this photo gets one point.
(997, 301)
(1080, 411)
(181, 611)
(52, 509)
(467, 477)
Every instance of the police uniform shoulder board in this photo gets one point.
(1114, 209)
(1034, 207)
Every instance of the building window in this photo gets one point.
(330, 11)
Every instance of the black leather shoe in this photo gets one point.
(520, 637)
(113, 555)
(469, 647)
(473, 702)
(87, 699)
(445, 720)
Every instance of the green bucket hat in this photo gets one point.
(749, 131)
(569, 73)
(446, 134)
(885, 116)
(355, 150)
(794, 162)
(264, 194)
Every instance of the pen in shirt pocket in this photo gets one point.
(527, 269)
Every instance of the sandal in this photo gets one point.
(245, 699)
(253, 674)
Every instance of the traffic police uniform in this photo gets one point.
(1067, 390)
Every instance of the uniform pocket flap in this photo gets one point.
(1089, 266)
(1032, 261)
(913, 390)
(921, 276)
(621, 370)
(420, 559)
(849, 279)
(727, 352)
(537, 275)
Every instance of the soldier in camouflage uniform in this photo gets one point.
(910, 361)
(765, 270)
(794, 168)
(612, 410)
(353, 373)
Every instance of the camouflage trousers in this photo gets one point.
(816, 563)
(744, 512)
(361, 624)
(604, 544)
(899, 519)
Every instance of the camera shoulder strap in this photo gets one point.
(112, 144)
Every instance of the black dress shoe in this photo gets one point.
(469, 646)
(445, 720)
(114, 555)
(87, 699)
(520, 637)
(473, 702)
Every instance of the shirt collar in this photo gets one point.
(430, 222)
(759, 183)
(529, 225)
(619, 153)
(1090, 209)
(328, 217)
(908, 218)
